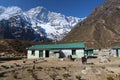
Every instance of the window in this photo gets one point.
(73, 52)
(33, 52)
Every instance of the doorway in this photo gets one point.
(117, 52)
(47, 53)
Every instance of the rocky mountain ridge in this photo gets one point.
(36, 24)
(101, 28)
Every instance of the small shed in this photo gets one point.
(116, 51)
(75, 50)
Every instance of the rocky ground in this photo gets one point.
(60, 69)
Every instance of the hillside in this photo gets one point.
(100, 29)
(13, 47)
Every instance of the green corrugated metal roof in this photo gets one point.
(58, 46)
(90, 48)
(116, 47)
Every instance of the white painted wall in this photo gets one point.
(80, 53)
(43, 53)
(119, 52)
(96, 52)
(30, 56)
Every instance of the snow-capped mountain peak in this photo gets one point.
(39, 20)
(39, 13)
(55, 25)
(2, 9)
(10, 11)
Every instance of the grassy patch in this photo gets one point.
(103, 67)
(65, 68)
(110, 78)
(66, 75)
(6, 67)
(78, 77)
(2, 74)
(40, 67)
(30, 70)
(119, 65)
(15, 76)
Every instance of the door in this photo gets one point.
(47, 53)
(117, 54)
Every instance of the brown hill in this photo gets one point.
(13, 47)
(101, 28)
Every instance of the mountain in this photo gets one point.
(36, 24)
(101, 28)
(54, 25)
(14, 24)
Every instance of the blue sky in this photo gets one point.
(77, 8)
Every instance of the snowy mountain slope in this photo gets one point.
(2, 9)
(55, 25)
(10, 12)
(38, 22)
(14, 24)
